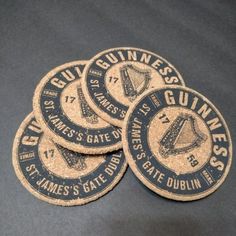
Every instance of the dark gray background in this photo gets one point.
(198, 37)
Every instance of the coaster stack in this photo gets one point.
(123, 105)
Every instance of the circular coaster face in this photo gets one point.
(177, 143)
(114, 78)
(65, 116)
(60, 176)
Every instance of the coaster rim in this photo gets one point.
(39, 196)
(148, 184)
(56, 138)
(90, 101)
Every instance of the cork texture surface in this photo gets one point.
(60, 176)
(114, 78)
(177, 143)
(63, 113)
(198, 37)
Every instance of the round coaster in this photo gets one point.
(60, 176)
(114, 78)
(64, 115)
(177, 143)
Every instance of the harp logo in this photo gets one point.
(182, 136)
(86, 111)
(134, 80)
(73, 159)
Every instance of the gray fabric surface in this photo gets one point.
(198, 37)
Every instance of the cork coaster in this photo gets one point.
(114, 78)
(59, 176)
(177, 143)
(64, 115)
